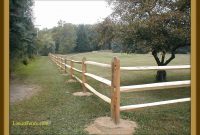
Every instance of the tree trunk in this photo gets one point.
(161, 76)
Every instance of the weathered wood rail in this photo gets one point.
(115, 86)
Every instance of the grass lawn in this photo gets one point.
(69, 115)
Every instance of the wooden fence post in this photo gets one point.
(115, 91)
(71, 68)
(61, 63)
(57, 60)
(65, 65)
(84, 70)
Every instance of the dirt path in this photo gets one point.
(19, 91)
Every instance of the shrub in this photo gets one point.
(25, 61)
(116, 48)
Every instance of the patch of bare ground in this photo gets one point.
(64, 74)
(80, 94)
(105, 126)
(19, 91)
(70, 81)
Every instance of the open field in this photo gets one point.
(68, 114)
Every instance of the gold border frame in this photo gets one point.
(6, 67)
(193, 65)
(193, 68)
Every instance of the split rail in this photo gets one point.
(115, 86)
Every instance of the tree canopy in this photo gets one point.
(152, 25)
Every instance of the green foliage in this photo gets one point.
(92, 35)
(22, 31)
(45, 42)
(60, 39)
(67, 38)
(84, 39)
(105, 32)
(116, 48)
(183, 50)
(25, 61)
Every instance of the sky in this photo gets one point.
(48, 12)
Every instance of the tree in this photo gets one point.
(92, 35)
(67, 38)
(45, 42)
(82, 41)
(106, 33)
(64, 36)
(158, 26)
(56, 34)
(22, 31)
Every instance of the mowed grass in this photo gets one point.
(69, 114)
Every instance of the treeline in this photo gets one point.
(69, 38)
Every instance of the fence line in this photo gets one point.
(155, 86)
(98, 64)
(142, 68)
(131, 107)
(105, 98)
(98, 78)
(114, 84)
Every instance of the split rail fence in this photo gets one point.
(116, 88)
